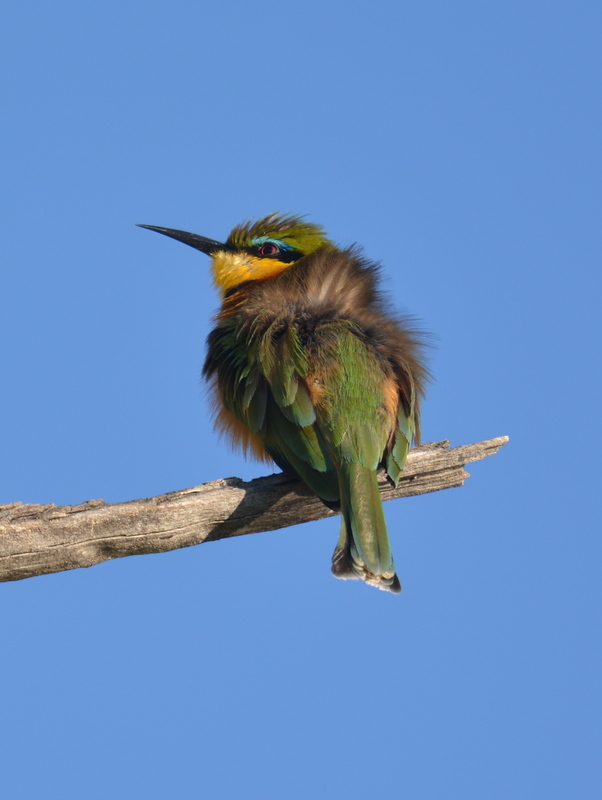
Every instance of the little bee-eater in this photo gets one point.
(311, 370)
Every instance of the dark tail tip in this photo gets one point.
(345, 568)
(342, 565)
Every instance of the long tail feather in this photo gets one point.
(363, 550)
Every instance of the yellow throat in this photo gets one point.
(231, 269)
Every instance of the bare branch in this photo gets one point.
(38, 539)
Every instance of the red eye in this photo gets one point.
(268, 249)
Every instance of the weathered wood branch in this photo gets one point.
(38, 539)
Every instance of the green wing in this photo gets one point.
(262, 383)
(357, 427)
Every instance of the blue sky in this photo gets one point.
(459, 144)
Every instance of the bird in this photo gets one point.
(311, 369)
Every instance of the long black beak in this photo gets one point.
(201, 243)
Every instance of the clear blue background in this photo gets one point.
(459, 143)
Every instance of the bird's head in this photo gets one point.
(255, 250)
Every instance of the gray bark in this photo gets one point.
(38, 539)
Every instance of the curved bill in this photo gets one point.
(201, 243)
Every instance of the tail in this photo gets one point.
(363, 550)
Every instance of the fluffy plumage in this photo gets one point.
(310, 368)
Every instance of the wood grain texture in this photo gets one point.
(39, 539)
